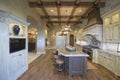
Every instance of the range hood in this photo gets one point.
(94, 18)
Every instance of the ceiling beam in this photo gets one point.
(43, 10)
(62, 16)
(64, 21)
(58, 9)
(63, 4)
(74, 9)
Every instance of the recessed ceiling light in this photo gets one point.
(52, 10)
(80, 10)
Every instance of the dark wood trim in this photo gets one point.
(63, 4)
(61, 16)
(64, 21)
(74, 9)
(58, 10)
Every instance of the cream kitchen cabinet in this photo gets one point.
(17, 61)
(110, 61)
(12, 64)
(118, 66)
(100, 58)
(107, 60)
(95, 56)
(107, 33)
(116, 32)
(111, 27)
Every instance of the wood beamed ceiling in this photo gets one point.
(65, 11)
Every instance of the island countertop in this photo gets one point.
(72, 54)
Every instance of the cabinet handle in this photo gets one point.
(20, 54)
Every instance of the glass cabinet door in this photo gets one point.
(106, 21)
(115, 18)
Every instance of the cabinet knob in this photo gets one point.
(20, 54)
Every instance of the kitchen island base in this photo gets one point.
(76, 66)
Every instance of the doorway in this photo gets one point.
(32, 39)
(32, 44)
(71, 41)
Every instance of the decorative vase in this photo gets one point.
(16, 29)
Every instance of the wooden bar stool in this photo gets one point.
(59, 65)
(55, 55)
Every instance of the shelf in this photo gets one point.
(17, 37)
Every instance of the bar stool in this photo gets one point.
(59, 65)
(55, 56)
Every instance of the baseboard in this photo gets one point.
(41, 52)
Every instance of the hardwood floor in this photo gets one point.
(42, 69)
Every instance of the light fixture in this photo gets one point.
(52, 10)
(80, 10)
(65, 29)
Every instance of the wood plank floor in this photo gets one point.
(42, 69)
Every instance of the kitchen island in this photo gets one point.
(75, 62)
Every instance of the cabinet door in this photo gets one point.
(22, 59)
(100, 59)
(106, 20)
(118, 66)
(116, 32)
(111, 65)
(115, 17)
(13, 65)
(108, 33)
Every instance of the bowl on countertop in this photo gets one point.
(70, 48)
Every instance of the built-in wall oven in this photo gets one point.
(16, 44)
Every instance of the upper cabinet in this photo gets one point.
(111, 27)
(115, 17)
(107, 20)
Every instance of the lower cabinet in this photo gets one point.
(118, 66)
(17, 64)
(109, 61)
(95, 56)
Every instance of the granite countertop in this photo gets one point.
(72, 54)
(110, 52)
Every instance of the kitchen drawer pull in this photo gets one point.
(20, 54)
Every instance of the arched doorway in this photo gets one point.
(71, 40)
(32, 39)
